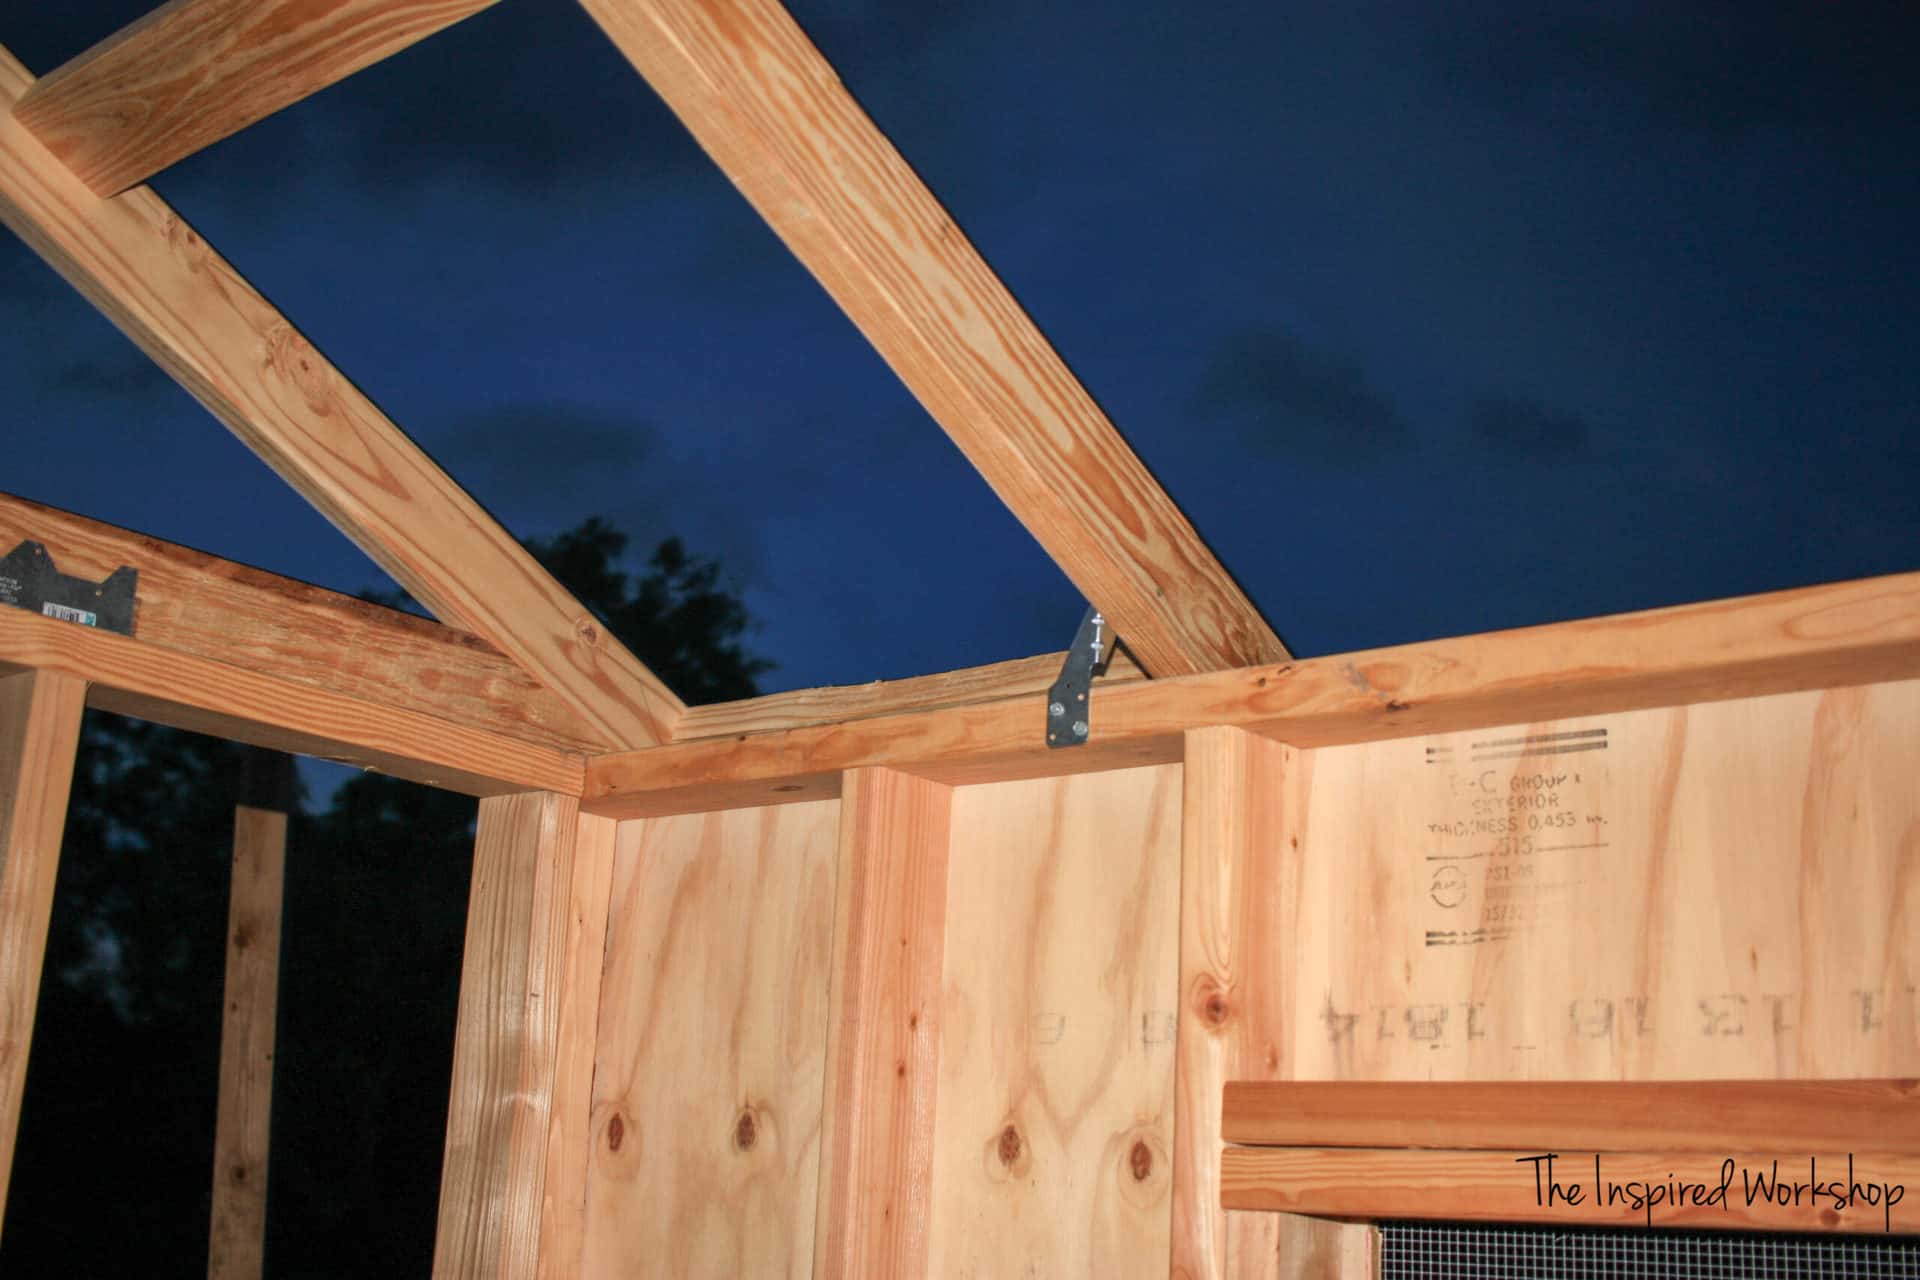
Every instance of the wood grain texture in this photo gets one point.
(1496, 1186)
(838, 704)
(181, 303)
(563, 1219)
(236, 1247)
(1287, 1246)
(136, 679)
(883, 1040)
(1596, 1115)
(1723, 891)
(39, 732)
(507, 1042)
(770, 111)
(199, 604)
(195, 71)
(1817, 637)
(1054, 1125)
(713, 1041)
(1238, 873)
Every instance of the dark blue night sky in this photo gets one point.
(1434, 324)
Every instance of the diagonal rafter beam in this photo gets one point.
(195, 71)
(154, 277)
(770, 111)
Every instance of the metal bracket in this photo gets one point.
(29, 581)
(1068, 706)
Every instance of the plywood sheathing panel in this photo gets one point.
(712, 1046)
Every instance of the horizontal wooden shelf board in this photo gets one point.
(1712, 1116)
(1827, 1190)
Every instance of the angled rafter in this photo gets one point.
(195, 71)
(136, 260)
(768, 108)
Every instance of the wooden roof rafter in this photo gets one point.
(768, 108)
(195, 71)
(770, 111)
(166, 288)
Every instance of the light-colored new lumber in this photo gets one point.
(195, 71)
(165, 287)
(1718, 892)
(563, 1211)
(1599, 1115)
(236, 1247)
(770, 111)
(838, 704)
(875, 1203)
(137, 679)
(1722, 891)
(1288, 1246)
(1237, 873)
(521, 957)
(1054, 1129)
(1499, 1186)
(1851, 633)
(710, 1070)
(231, 613)
(39, 733)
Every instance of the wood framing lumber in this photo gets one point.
(1288, 1246)
(189, 692)
(837, 704)
(874, 1211)
(1810, 638)
(236, 1244)
(195, 71)
(770, 111)
(165, 287)
(39, 733)
(1500, 1186)
(199, 604)
(1233, 870)
(570, 1131)
(1606, 1115)
(506, 1044)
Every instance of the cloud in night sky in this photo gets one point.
(1291, 398)
(527, 452)
(1525, 430)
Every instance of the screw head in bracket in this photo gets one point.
(1079, 728)
(1055, 710)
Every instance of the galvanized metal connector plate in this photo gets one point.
(29, 581)
(1069, 701)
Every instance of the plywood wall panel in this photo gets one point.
(712, 1045)
(1054, 1121)
(1720, 891)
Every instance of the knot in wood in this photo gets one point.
(1009, 1145)
(1140, 1160)
(616, 1132)
(745, 1132)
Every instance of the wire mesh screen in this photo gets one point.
(1454, 1251)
